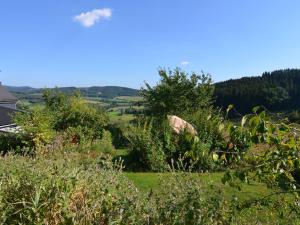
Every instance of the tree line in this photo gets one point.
(276, 91)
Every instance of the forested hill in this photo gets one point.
(277, 91)
(96, 91)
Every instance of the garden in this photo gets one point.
(71, 164)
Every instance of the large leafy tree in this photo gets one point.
(178, 93)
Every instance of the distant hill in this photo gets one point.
(104, 92)
(22, 89)
(277, 91)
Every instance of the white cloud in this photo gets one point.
(88, 19)
(185, 63)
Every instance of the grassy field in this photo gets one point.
(115, 117)
(130, 98)
(151, 181)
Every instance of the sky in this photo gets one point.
(46, 43)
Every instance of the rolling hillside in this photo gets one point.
(95, 91)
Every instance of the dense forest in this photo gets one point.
(277, 91)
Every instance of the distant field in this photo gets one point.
(115, 117)
(130, 98)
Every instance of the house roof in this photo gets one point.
(5, 96)
(5, 115)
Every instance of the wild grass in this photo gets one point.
(83, 188)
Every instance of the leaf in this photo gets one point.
(255, 109)
(221, 127)
(226, 178)
(244, 120)
(230, 107)
(215, 157)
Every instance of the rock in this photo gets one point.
(179, 125)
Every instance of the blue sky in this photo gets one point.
(118, 42)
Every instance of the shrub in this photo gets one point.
(207, 122)
(104, 145)
(196, 155)
(13, 142)
(294, 117)
(182, 200)
(57, 191)
(80, 122)
(73, 111)
(37, 125)
(74, 188)
(146, 149)
(155, 147)
(118, 132)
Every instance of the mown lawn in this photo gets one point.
(210, 181)
(146, 181)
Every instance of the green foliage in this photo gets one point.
(17, 143)
(275, 96)
(37, 124)
(155, 147)
(79, 122)
(277, 90)
(118, 132)
(196, 155)
(209, 124)
(294, 117)
(178, 93)
(183, 201)
(57, 190)
(278, 165)
(76, 188)
(146, 149)
(104, 145)
(73, 111)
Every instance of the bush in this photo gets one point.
(104, 145)
(17, 143)
(146, 149)
(73, 111)
(80, 122)
(75, 188)
(183, 201)
(294, 117)
(155, 147)
(37, 125)
(118, 132)
(207, 122)
(57, 190)
(196, 155)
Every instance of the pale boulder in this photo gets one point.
(179, 125)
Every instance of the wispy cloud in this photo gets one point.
(89, 19)
(185, 63)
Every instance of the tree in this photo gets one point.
(275, 96)
(277, 91)
(74, 112)
(178, 93)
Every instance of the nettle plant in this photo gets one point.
(278, 163)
